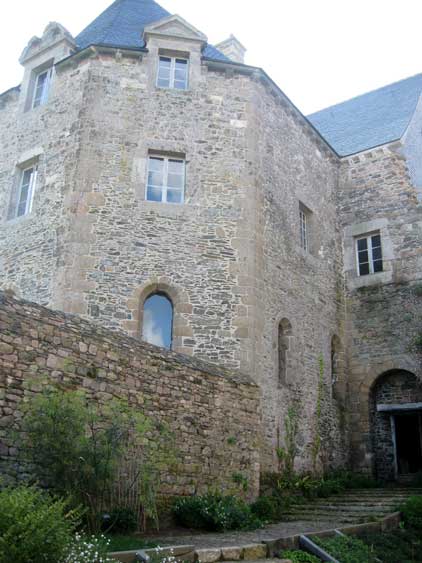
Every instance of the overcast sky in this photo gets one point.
(319, 52)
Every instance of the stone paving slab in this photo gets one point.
(242, 538)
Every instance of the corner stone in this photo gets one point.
(254, 551)
(231, 553)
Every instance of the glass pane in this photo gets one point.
(154, 194)
(175, 181)
(165, 62)
(376, 240)
(21, 209)
(176, 166)
(363, 256)
(180, 75)
(158, 321)
(363, 269)
(362, 244)
(155, 179)
(181, 64)
(156, 163)
(163, 83)
(180, 85)
(174, 196)
(377, 253)
(378, 266)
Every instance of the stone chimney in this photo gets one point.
(233, 49)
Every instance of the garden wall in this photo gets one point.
(214, 413)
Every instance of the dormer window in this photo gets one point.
(173, 73)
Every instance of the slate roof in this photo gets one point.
(373, 119)
(122, 24)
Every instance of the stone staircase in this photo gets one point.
(352, 507)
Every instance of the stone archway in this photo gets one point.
(396, 425)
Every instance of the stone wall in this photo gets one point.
(384, 310)
(214, 413)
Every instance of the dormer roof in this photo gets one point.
(122, 24)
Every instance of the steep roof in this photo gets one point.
(369, 120)
(122, 24)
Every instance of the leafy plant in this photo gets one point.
(299, 556)
(215, 512)
(79, 447)
(412, 512)
(347, 549)
(122, 519)
(34, 527)
(268, 508)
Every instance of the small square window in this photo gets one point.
(42, 87)
(166, 179)
(172, 73)
(369, 254)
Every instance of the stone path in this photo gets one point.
(352, 507)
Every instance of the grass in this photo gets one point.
(121, 542)
(398, 546)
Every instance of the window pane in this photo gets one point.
(180, 75)
(376, 240)
(175, 181)
(363, 256)
(176, 166)
(163, 83)
(181, 64)
(363, 269)
(158, 321)
(154, 194)
(156, 163)
(362, 244)
(179, 85)
(155, 179)
(165, 62)
(174, 196)
(378, 266)
(377, 253)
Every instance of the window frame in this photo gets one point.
(370, 250)
(304, 228)
(165, 187)
(173, 60)
(46, 87)
(31, 191)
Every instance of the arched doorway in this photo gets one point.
(396, 425)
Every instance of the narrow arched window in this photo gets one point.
(284, 335)
(335, 352)
(157, 325)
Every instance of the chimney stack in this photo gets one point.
(233, 49)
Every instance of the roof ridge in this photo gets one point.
(379, 89)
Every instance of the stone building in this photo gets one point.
(158, 186)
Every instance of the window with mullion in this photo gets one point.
(172, 73)
(166, 179)
(369, 254)
(303, 230)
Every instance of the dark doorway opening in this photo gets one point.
(408, 442)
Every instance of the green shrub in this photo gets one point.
(120, 520)
(347, 549)
(299, 556)
(268, 508)
(215, 512)
(34, 527)
(412, 512)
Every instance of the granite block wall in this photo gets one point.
(213, 413)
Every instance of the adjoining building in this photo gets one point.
(158, 186)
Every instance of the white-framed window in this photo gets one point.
(25, 194)
(166, 179)
(42, 87)
(173, 73)
(369, 254)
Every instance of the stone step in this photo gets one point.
(343, 509)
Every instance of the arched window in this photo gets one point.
(284, 334)
(335, 352)
(157, 325)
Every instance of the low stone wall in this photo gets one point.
(214, 413)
